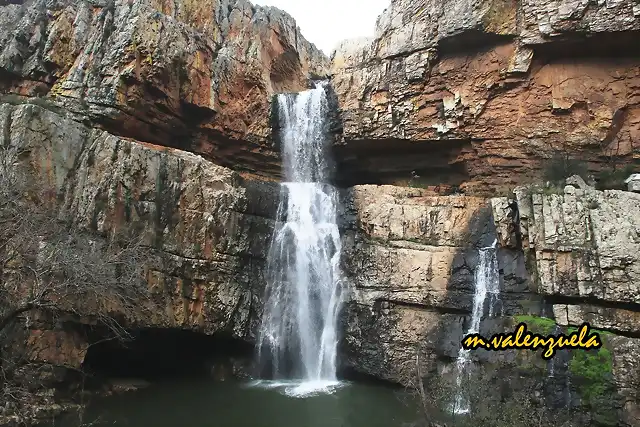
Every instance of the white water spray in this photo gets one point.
(298, 336)
(487, 284)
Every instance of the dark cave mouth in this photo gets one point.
(155, 354)
(158, 354)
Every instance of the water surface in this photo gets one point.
(204, 403)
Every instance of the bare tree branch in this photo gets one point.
(49, 266)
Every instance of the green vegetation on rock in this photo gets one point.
(592, 372)
(541, 325)
(594, 369)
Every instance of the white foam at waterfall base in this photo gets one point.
(487, 283)
(298, 333)
(299, 389)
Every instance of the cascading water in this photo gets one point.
(298, 338)
(487, 283)
(552, 362)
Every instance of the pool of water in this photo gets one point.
(203, 403)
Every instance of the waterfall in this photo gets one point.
(298, 338)
(487, 284)
(552, 362)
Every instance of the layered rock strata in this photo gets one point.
(480, 94)
(569, 256)
(209, 227)
(191, 75)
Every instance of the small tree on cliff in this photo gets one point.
(561, 166)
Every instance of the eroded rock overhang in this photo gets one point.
(197, 76)
(480, 94)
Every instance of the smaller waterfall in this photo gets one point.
(487, 284)
(552, 362)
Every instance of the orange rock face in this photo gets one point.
(483, 100)
(192, 75)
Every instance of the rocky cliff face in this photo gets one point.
(192, 75)
(97, 96)
(209, 226)
(481, 93)
(411, 259)
(584, 246)
(137, 112)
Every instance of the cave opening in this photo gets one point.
(155, 353)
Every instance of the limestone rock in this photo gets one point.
(481, 93)
(584, 250)
(633, 183)
(607, 318)
(197, 75)
(577, 181)
(586, 245)
(209, 229)
(410, 258)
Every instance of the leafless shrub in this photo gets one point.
(46, 263)
(50, 267)
(561, 166)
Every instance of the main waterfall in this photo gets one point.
(297, 338)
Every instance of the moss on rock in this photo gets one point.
(540, 325)
(592, 373)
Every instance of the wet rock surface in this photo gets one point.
(410, 261)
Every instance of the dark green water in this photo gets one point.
(205, 403)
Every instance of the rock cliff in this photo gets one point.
(481, 94)
(210, 227)
(584, 244)
(159, 114)
(105, 101)
(190, 74)
(411, 257)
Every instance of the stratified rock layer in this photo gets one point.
(584, 244)
(197, 75)
(481, 93)
(209, 227)
(411, 259)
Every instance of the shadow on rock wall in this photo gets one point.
(410, 260)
